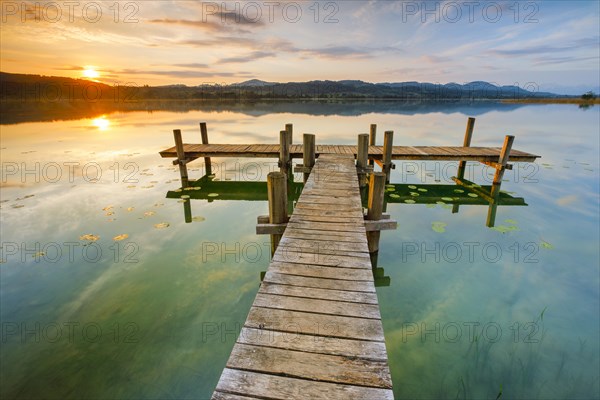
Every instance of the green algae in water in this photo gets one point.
(438, 226)
(546, 245)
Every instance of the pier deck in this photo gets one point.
(425, 153)
(314, 329)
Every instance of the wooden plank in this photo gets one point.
(365, 286)
(289, 255)
(315, 293)
(279, 387)
(314, 344)
(323, 244)
(324, 226)
(315, 324)
(298, 364)
(321, 271)
(228, 396)
(320, 306)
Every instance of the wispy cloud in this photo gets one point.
(256, 55)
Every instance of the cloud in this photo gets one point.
(191, 65)
(247, 58)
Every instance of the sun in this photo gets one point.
(90, 72)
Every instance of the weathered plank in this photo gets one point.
(319, 282)
(279, 387)
(299, 364)
(315, 293)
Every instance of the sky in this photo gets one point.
(538, 45)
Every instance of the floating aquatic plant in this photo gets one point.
(120, 237)
(198, 219)
(409, 201)
(213, 194)
(546, 245)
(511, 221)
(412, 187)
(162, 225)
(447, 199)
(89, 237)
(422, 190)
(394, 196)
(414, 194)
(185, 196)
(458, 191)
(438, 226)
(149, 213)
(472, 195)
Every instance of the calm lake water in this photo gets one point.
(468, 311)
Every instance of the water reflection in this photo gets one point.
(15, 112)
(464, 192)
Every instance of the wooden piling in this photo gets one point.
(362, 158)
(277, 193)
(204, 134)
(308, 141)
(372, 139)
(181, 161)
(388, 141)
(289, 128)
(375, 207)
(284, 152)
(466, 143)
(501, 167)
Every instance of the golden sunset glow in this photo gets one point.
(102, 123)
(90, 73)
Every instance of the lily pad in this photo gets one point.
(394, 196)
(422, 190)
(120, 237)
(409, 201)
(185, 196)
(198, 219)
(546, 245)
(162, 225)
(149, 213)
(438, 226)
(511, 221)
(130, 209)
(89, 237)
(472, 195)
(414, 194)
(182, 200)
(412, 187)
(447, 199)
(440, 202)
(505, 229)
(213, 195)
(458, 191)
(107, 208)
(430, 206)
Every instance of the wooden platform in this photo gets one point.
(314, 330)
(443, 153)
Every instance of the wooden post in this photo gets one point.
(289, 128)
(308, 159)
(187, 211)
(204, 134)
(491, 216)
(388, 140)
(502, 161)
(362, 158)
(277, 192)
(466, 143)
(372, 138)
(181, 161)
(375, 207)
(284, 152)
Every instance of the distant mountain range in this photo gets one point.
(36, 87)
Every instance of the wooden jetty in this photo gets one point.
(314, 330)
